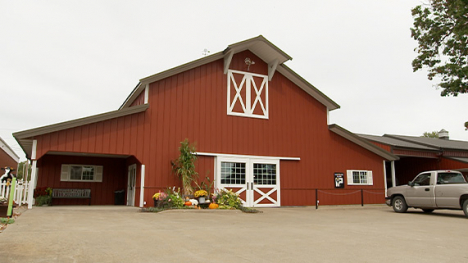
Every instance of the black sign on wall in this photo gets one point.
(339, 180)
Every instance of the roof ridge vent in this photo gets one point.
(443, 134)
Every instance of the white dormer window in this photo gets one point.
(247, 94)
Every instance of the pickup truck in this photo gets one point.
(431, 190)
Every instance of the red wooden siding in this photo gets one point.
(192, 105)
(404, 152)
(6, 160)
(102, 193)
(140, 100)
(452, 164)
(455, 154)
(386, 147)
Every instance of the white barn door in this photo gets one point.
(256, 181)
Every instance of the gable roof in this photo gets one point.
(394, 142)
(433, 142)
(261, 47)
(362, 142)
(420, 143)
(24, 138)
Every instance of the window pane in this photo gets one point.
(232, 173)
(88, 172)
(75, 173)
(356, 177)
(264, 174)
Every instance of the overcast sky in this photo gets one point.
(62, 60)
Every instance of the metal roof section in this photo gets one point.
(25, 138)
(7, 149)
(395, 142)
(262, 48)
(362, 142)
(432, 142)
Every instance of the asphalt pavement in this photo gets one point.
(373, 233)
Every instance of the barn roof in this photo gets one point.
(420, 143)
(394, 142)
(261, 47)
(24, 138)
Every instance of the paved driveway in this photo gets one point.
(329, 234)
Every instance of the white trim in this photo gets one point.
(34, 148)
(97, 173)
(249, 162)
(146, 93)
(227, 60)
(32, 184)
(272, 69)
(369, 177)
(248, 84)
(385, 177)
(224, 155)
(142, 185)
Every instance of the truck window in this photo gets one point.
(450, 178)
(423, 179)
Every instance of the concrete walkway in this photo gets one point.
(329, 234)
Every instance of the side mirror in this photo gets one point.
(410, 183)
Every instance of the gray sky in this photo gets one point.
(62, 60)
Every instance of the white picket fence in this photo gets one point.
(21, 192)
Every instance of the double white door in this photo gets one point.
(256, 181)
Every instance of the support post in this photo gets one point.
(142, 185)
(316, 199)
(32, 185)
(393, 174)
(362, 197)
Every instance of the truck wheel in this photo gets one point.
(465, 207)
(428, 210)
(399, 204)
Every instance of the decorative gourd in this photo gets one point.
(213, 206)
(188, 203)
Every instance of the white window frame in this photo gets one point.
(368, 174)
(65, 173)
(251, 89)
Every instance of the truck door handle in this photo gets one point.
(427, 189)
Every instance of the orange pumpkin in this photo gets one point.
(188, 203)
(213, 206)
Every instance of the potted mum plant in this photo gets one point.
(201, 195)
(158, 198)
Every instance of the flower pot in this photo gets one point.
(3, 210)
(201, 200)
(156, 203)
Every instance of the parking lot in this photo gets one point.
(371, 233)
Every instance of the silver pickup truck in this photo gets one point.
(431, 190)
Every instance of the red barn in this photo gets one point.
(259, 128)
(7, 156)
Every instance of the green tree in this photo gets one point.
(23, 168)
(433, 134)
(441, 29)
